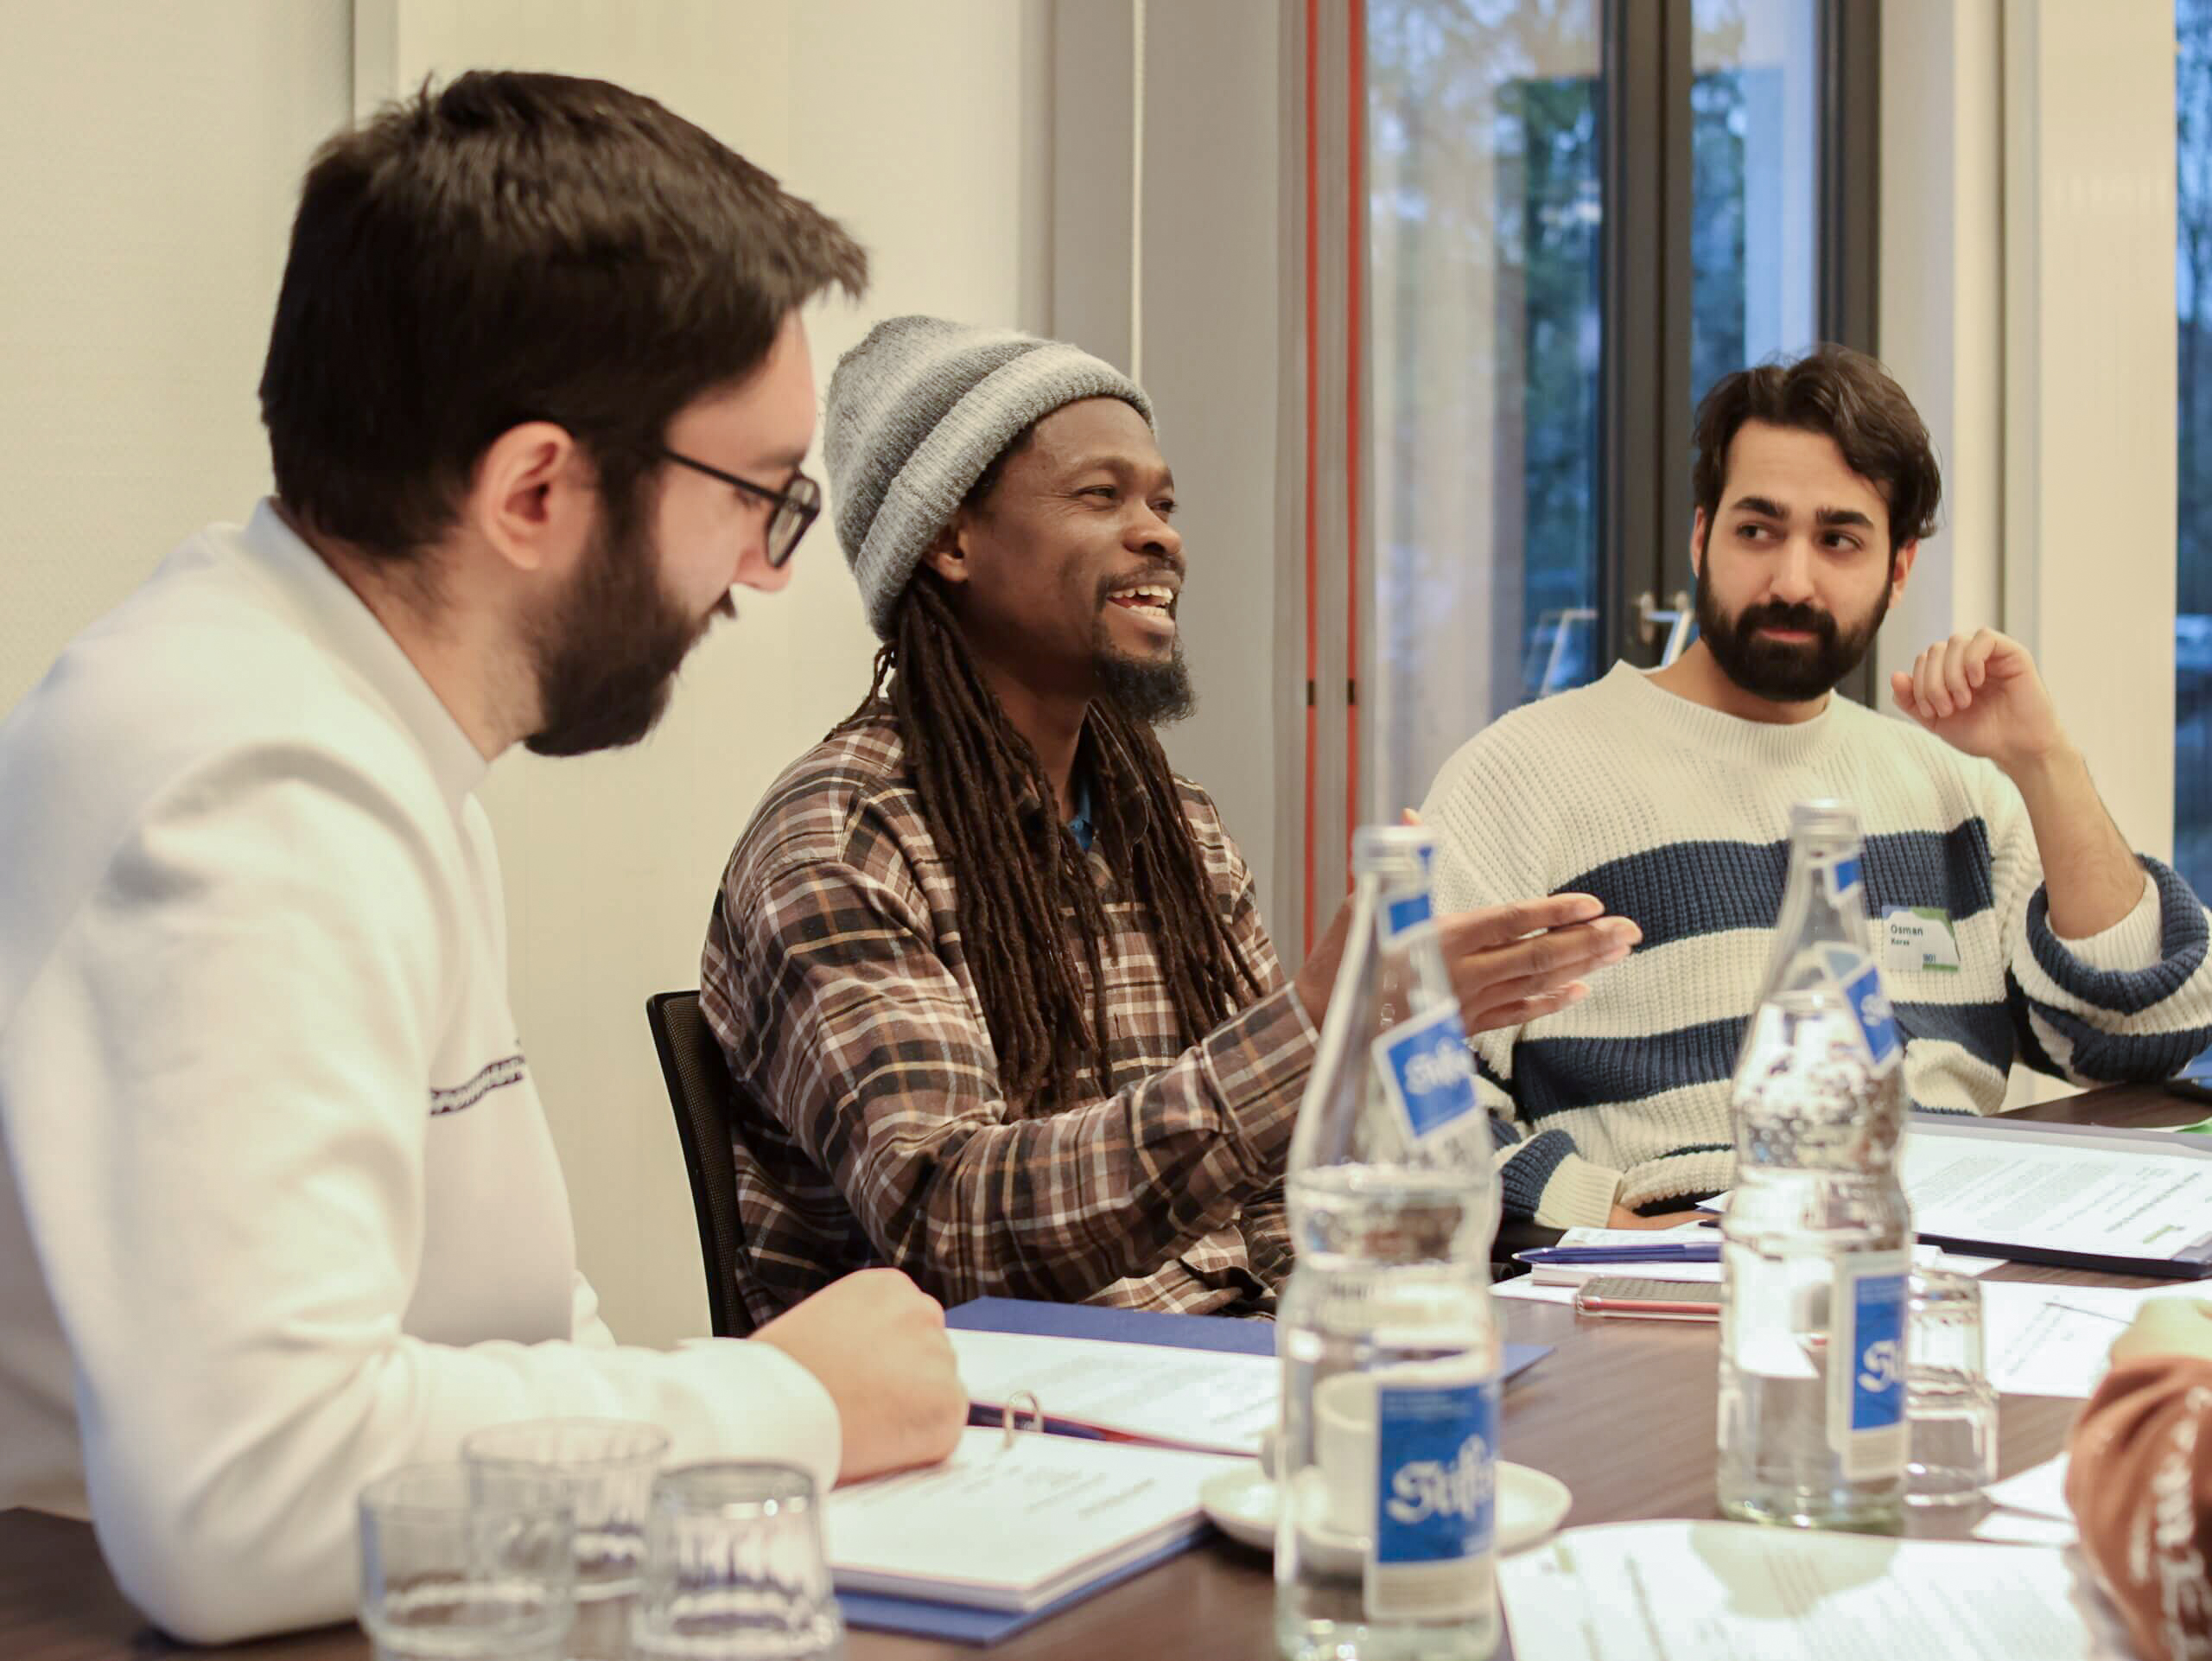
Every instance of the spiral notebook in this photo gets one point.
(1197, 1400)
(951, 1610)
(1015, 1523)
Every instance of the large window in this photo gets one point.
(2193, 296)
(1754, 183)
(1580, 214)
(1484, 224)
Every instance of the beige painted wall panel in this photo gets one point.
(149, 161)
(907, 123)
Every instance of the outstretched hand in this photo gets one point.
(1510, 964)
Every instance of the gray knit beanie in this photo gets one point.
(916, 412)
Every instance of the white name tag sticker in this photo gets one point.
(1919, 939)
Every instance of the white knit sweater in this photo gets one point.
(278, 1208)
(1677, 816)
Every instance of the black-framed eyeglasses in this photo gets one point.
(790, 510)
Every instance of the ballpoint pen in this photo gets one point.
(1640, 1254)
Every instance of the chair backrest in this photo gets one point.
(705, 1101)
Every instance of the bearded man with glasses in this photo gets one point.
(279, 1207)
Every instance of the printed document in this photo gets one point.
(2008, 1187)
(2029, 1508)
(1713, 1591)
(1202, 1399)
(1014, 1522)
(2044, 1339)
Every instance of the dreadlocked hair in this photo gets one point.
(1015, 873)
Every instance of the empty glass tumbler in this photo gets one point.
(459, 1567)
(606, 1466)
(735, 1570)
(1950, 1407)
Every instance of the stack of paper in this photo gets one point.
(2044, 1339)
(2076, 1196)
(1696, 1236)
(2069, 1191)
(1558, 1282)
(1706, 1591)
(2031, 1509)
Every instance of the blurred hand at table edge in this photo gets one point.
(877, 1343)
(2175, 1325)
(1624, 1218)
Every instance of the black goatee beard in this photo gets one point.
(1154, 692)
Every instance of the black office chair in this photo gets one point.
(700, 1090)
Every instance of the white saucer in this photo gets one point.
(1243, 1504)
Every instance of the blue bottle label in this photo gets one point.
(1860, 979)
(1866, 1362)
(1843, 880)
(1402, 916)
(1435, 1501)
(1427, 1070)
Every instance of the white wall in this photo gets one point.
(144, 249)
(931, 131)
(1210, 363)
(1201, 327)
(1941, 300)
(136, 288)
(913, 125)
(1941, 311)
(2027, 305)
(146, 204)
(2092, 384)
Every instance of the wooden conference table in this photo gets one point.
(1622, 1412)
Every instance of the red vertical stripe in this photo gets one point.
(1313, 440)
(1354, 273)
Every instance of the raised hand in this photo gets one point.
(1980, 693)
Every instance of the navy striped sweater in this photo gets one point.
(1677, 816)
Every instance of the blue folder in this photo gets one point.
(1149, 1326)
(962, 1624)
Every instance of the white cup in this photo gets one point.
(1344, 1435)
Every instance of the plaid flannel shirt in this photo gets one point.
(871, 1125)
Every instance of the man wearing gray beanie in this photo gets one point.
(990, 979)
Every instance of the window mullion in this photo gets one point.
(1643, 413)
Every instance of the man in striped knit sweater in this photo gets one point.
(2011, 918)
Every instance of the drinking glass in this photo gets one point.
(735, 1568)
(607, 1468)
(1949, 1403)
(455, 1567)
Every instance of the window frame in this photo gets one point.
(1645, 411)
